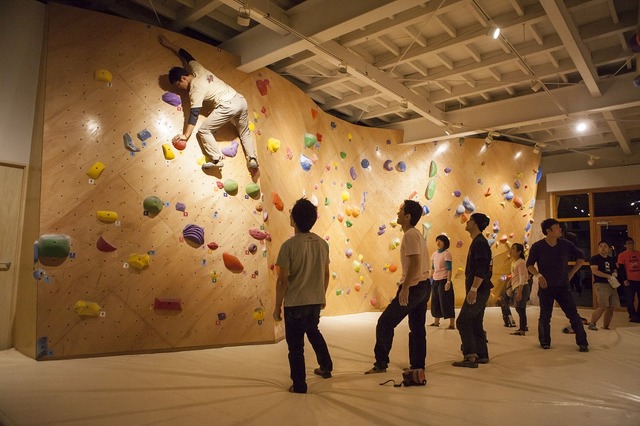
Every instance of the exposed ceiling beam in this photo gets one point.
(618, 131)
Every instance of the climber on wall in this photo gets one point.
(228, 105)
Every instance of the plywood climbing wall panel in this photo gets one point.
(357, 176)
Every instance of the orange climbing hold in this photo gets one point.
(277, 201)
(232, 263)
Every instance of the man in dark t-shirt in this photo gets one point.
(550, 257)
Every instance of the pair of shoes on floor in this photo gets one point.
(217, 164)
(433, 324)
(325, 374)
(518, 333)
(253, 163)
(593, 327)
(466, 363)
(376, 370)
(584, 348)
(451, 327)
(291, 390)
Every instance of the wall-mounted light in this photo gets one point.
(536, 85)
(493, 31)
(342, 67)
(244, 16)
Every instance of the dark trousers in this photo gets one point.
(416, 309)
(470, 326)
(563, 296)
(298, 321)
(630, 292)
(443, 301)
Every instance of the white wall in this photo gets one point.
(21, 34)
(610, 177)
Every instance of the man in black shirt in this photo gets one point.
(478, 285)
(551, 256)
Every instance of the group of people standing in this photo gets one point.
(303, 278)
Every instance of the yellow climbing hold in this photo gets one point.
(96, 170)
(87, 309)
(139, 261)
(107, 216)
(345, 196)
(103, 75)
(167, 151)
(273, 144)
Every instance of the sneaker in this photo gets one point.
(213, 164)
(325, 374)
(465, 363)
(593, 327)
(376, 370)
(584, 349)
(253, 163)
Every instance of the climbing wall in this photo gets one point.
(135, 281)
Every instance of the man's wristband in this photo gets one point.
(473, 289)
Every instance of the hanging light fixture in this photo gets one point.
(342, 67)
(244, 16)
(536, 149)
(592, 160)
(493, 31)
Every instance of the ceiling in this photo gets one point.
(429, 67)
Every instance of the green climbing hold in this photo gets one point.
(152, 205)
(252, 190)
(54, 245)
(431, 189)
(230, 186)
(433, 169)
(310, 140)
(343, 155)
(348, 223)
(349, 186)
(326, 201)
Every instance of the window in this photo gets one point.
(573, 205)
(619, 203)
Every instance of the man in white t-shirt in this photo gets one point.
(228, 105)
(411, 299)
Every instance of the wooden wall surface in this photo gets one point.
(85, 120)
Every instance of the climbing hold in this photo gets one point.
(508, 196)
(506, 189)
(259, 235)
(167, 303)
(468, 205)
(314, 200)
(348, 223)
(352, 173)
(103, 75)
(143, 135)
(168, 152)
(232, 263)
(54, 246)
(457, 193)
(179, 144)
(277, 201)
(487, 192)
(107, 216)
(289, 154)
(231, 150)
(374, 302)
(310, 140)
(517, 202)
(447, 170)
(152, 205)
(348, 185)
(394, 243)
(388, 165)
(433, 169)
(273, 144)
(259, 314)
(459, 210)
(345, 196)
(538, 175)
(171, 98)
(305, 163)
(128, 143)
(393, 267)
(181, 207)
(212, 245)
(401, 167)
(85, 308)
(139, 261)
(516, 184)
(96, 170)
(364, 163)
(194, 233)
(356, 266)
(459, 243)
(230, 186)
(104, 246)
(252, 248)
(343, 155)
(348, 252)
(431, 189)
(252, 190)
(503, 239)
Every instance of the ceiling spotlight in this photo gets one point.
(342, 67)
(493, 32)
(244, 16)
(536, 149)
(581, 126)
(536, 85)
(592, 160)
(448, 131)
(489, 139)
(404, 103)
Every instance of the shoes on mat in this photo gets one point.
(325, 374)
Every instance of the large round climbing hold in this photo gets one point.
(230, 186)
(252, 190)
(152, 205)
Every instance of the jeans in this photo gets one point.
(442, 302)
(298, 321)
(630, 292)
(234, 110)
(416, 309)
(471, 328)
(563, 296)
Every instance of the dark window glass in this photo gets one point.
(579, 233)
(574, 205)
(620, 203)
